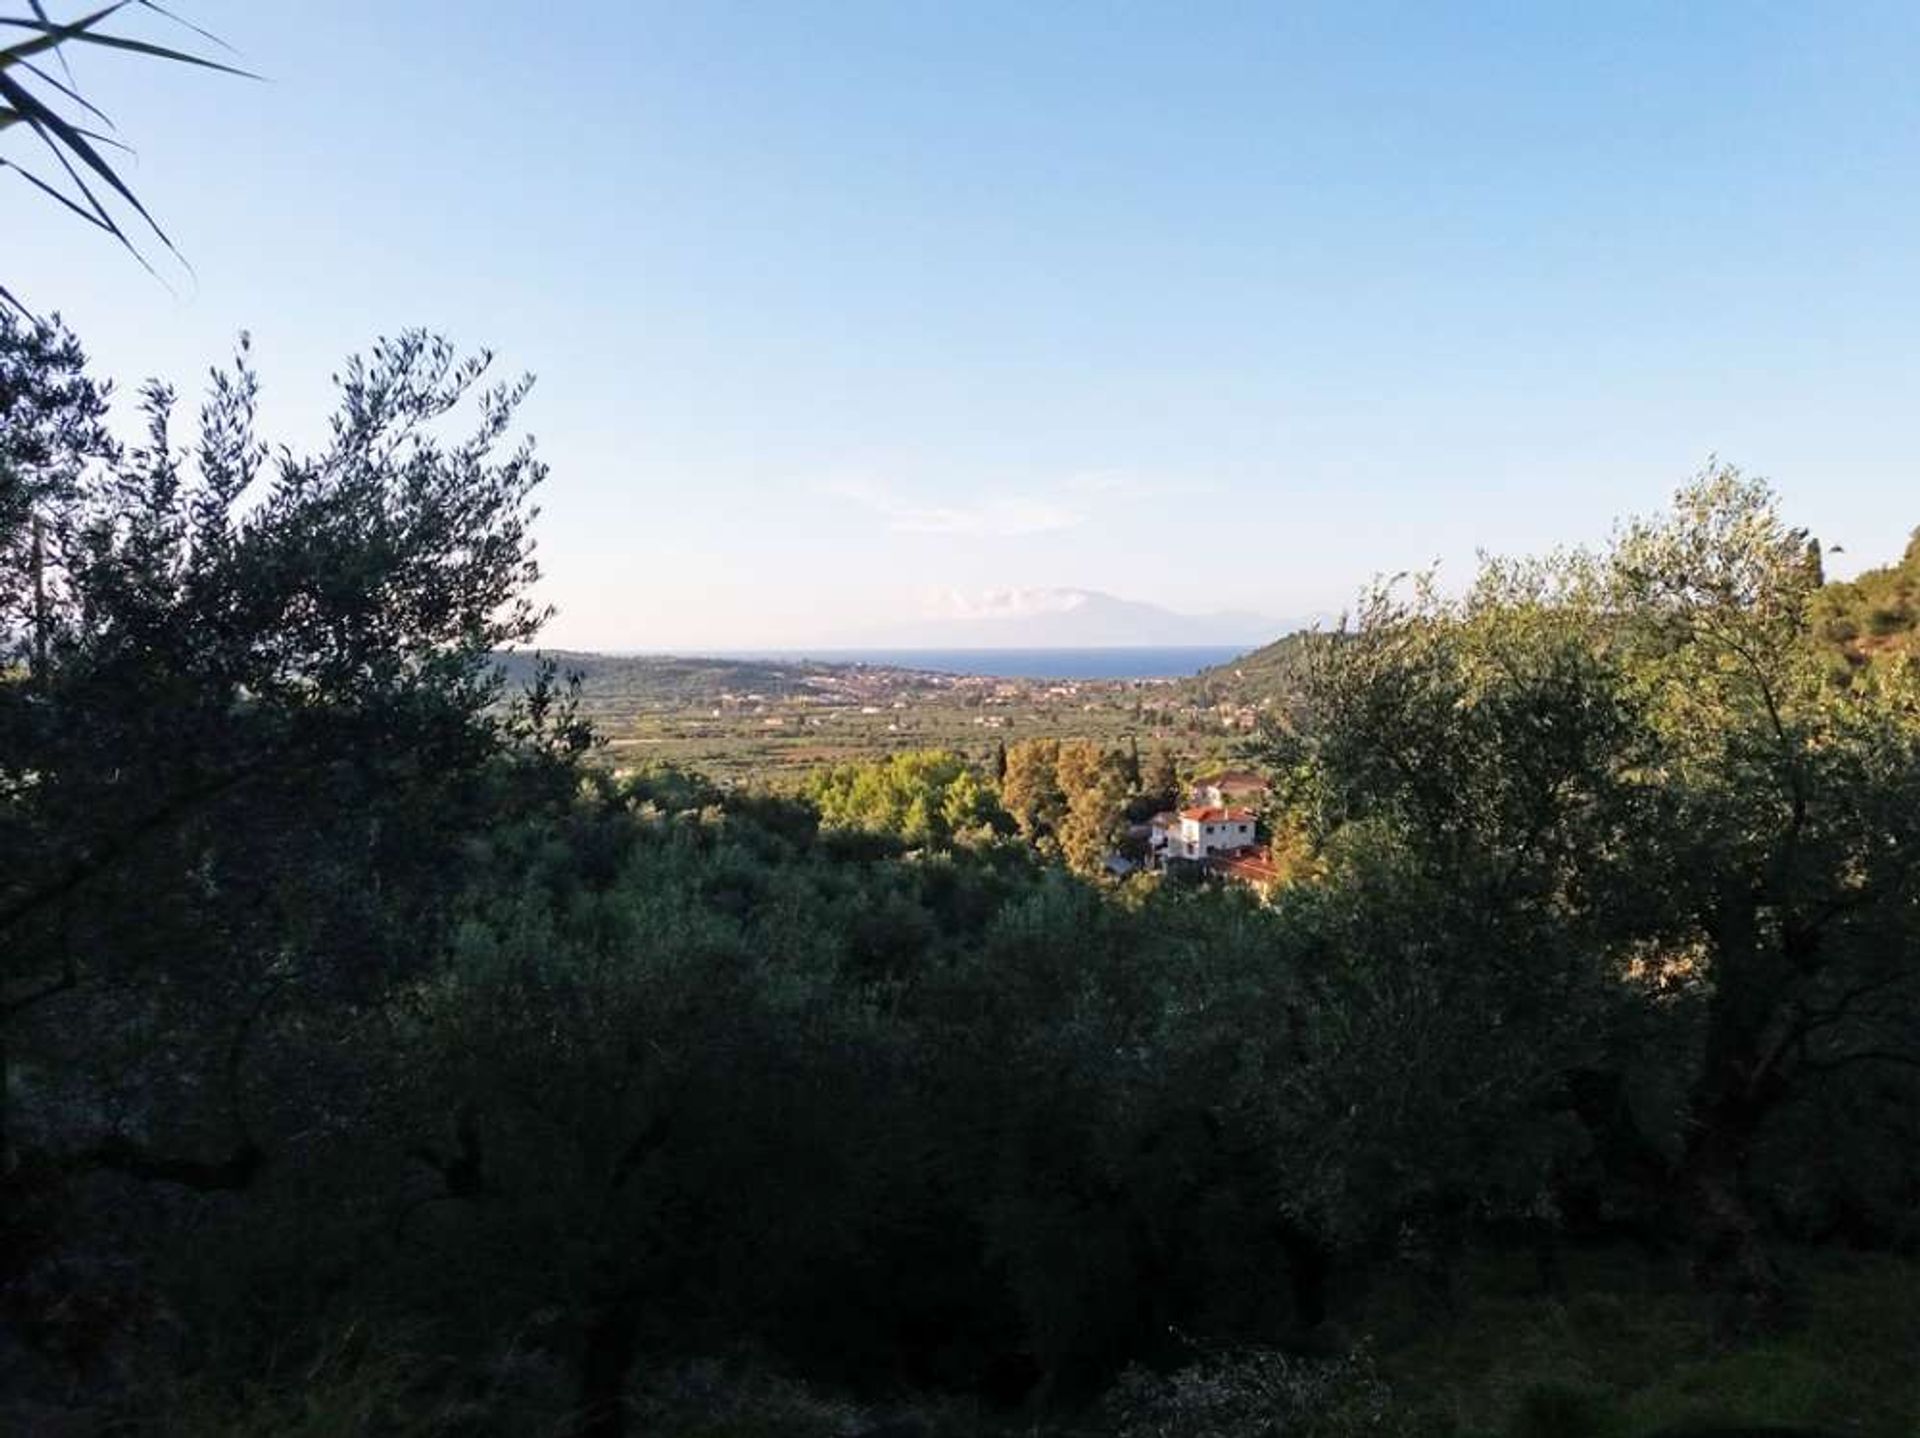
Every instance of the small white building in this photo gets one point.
(1234, 787)
(1201, 832)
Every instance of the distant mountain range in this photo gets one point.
(1065, 619)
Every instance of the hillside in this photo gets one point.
(1876, 614)
(1259, 677)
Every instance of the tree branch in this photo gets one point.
(68, 979)
(89, 866)
(1903, 1058)
(233, 1173)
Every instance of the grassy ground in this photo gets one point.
(1631, 1352)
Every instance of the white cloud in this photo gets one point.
(1001, 603)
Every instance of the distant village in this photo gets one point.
(847, 690)
(733, 718)
(741, 721)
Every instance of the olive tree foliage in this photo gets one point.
(52, 425)
(693, 1080)
(1874, 618)
(930, 796)
(653, 1098)
(1450, 762)
(1788, 843)
(1630, 803)
(245, 722)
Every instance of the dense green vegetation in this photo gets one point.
(1270, 674)
(377, 1063)
(1875, 616)
(929, 797)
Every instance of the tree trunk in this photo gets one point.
(612, 1346)
(1549, 1267)
(1740, 1085)
(9, 1161)
(1731, 1255)
(40, 617)
(1309, 1267)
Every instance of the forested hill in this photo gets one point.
(1876, 614)
(1267, 673)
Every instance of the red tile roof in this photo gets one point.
(1247, 865)
(1209, 815)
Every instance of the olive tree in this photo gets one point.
(1637, 805)
(244, 723)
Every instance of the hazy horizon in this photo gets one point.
(841, 312)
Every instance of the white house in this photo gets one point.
(1234, 787)
(1201, 832)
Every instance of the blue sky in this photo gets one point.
(836, 305)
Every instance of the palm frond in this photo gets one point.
(68, 144)
(54, 110)
(40, 14)
(86, 31)
(52, 192)
(67, 89)
(50, 36)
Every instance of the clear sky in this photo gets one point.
(1223, 306)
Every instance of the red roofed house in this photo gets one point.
(1252, 868)
(1201, 832)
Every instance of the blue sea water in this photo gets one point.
(1163, 662)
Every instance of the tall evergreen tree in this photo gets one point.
(1162, 777)
(1031, 788)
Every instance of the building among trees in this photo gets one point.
(1200, 832)
(1232, 787)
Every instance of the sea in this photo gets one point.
(1143, 662)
